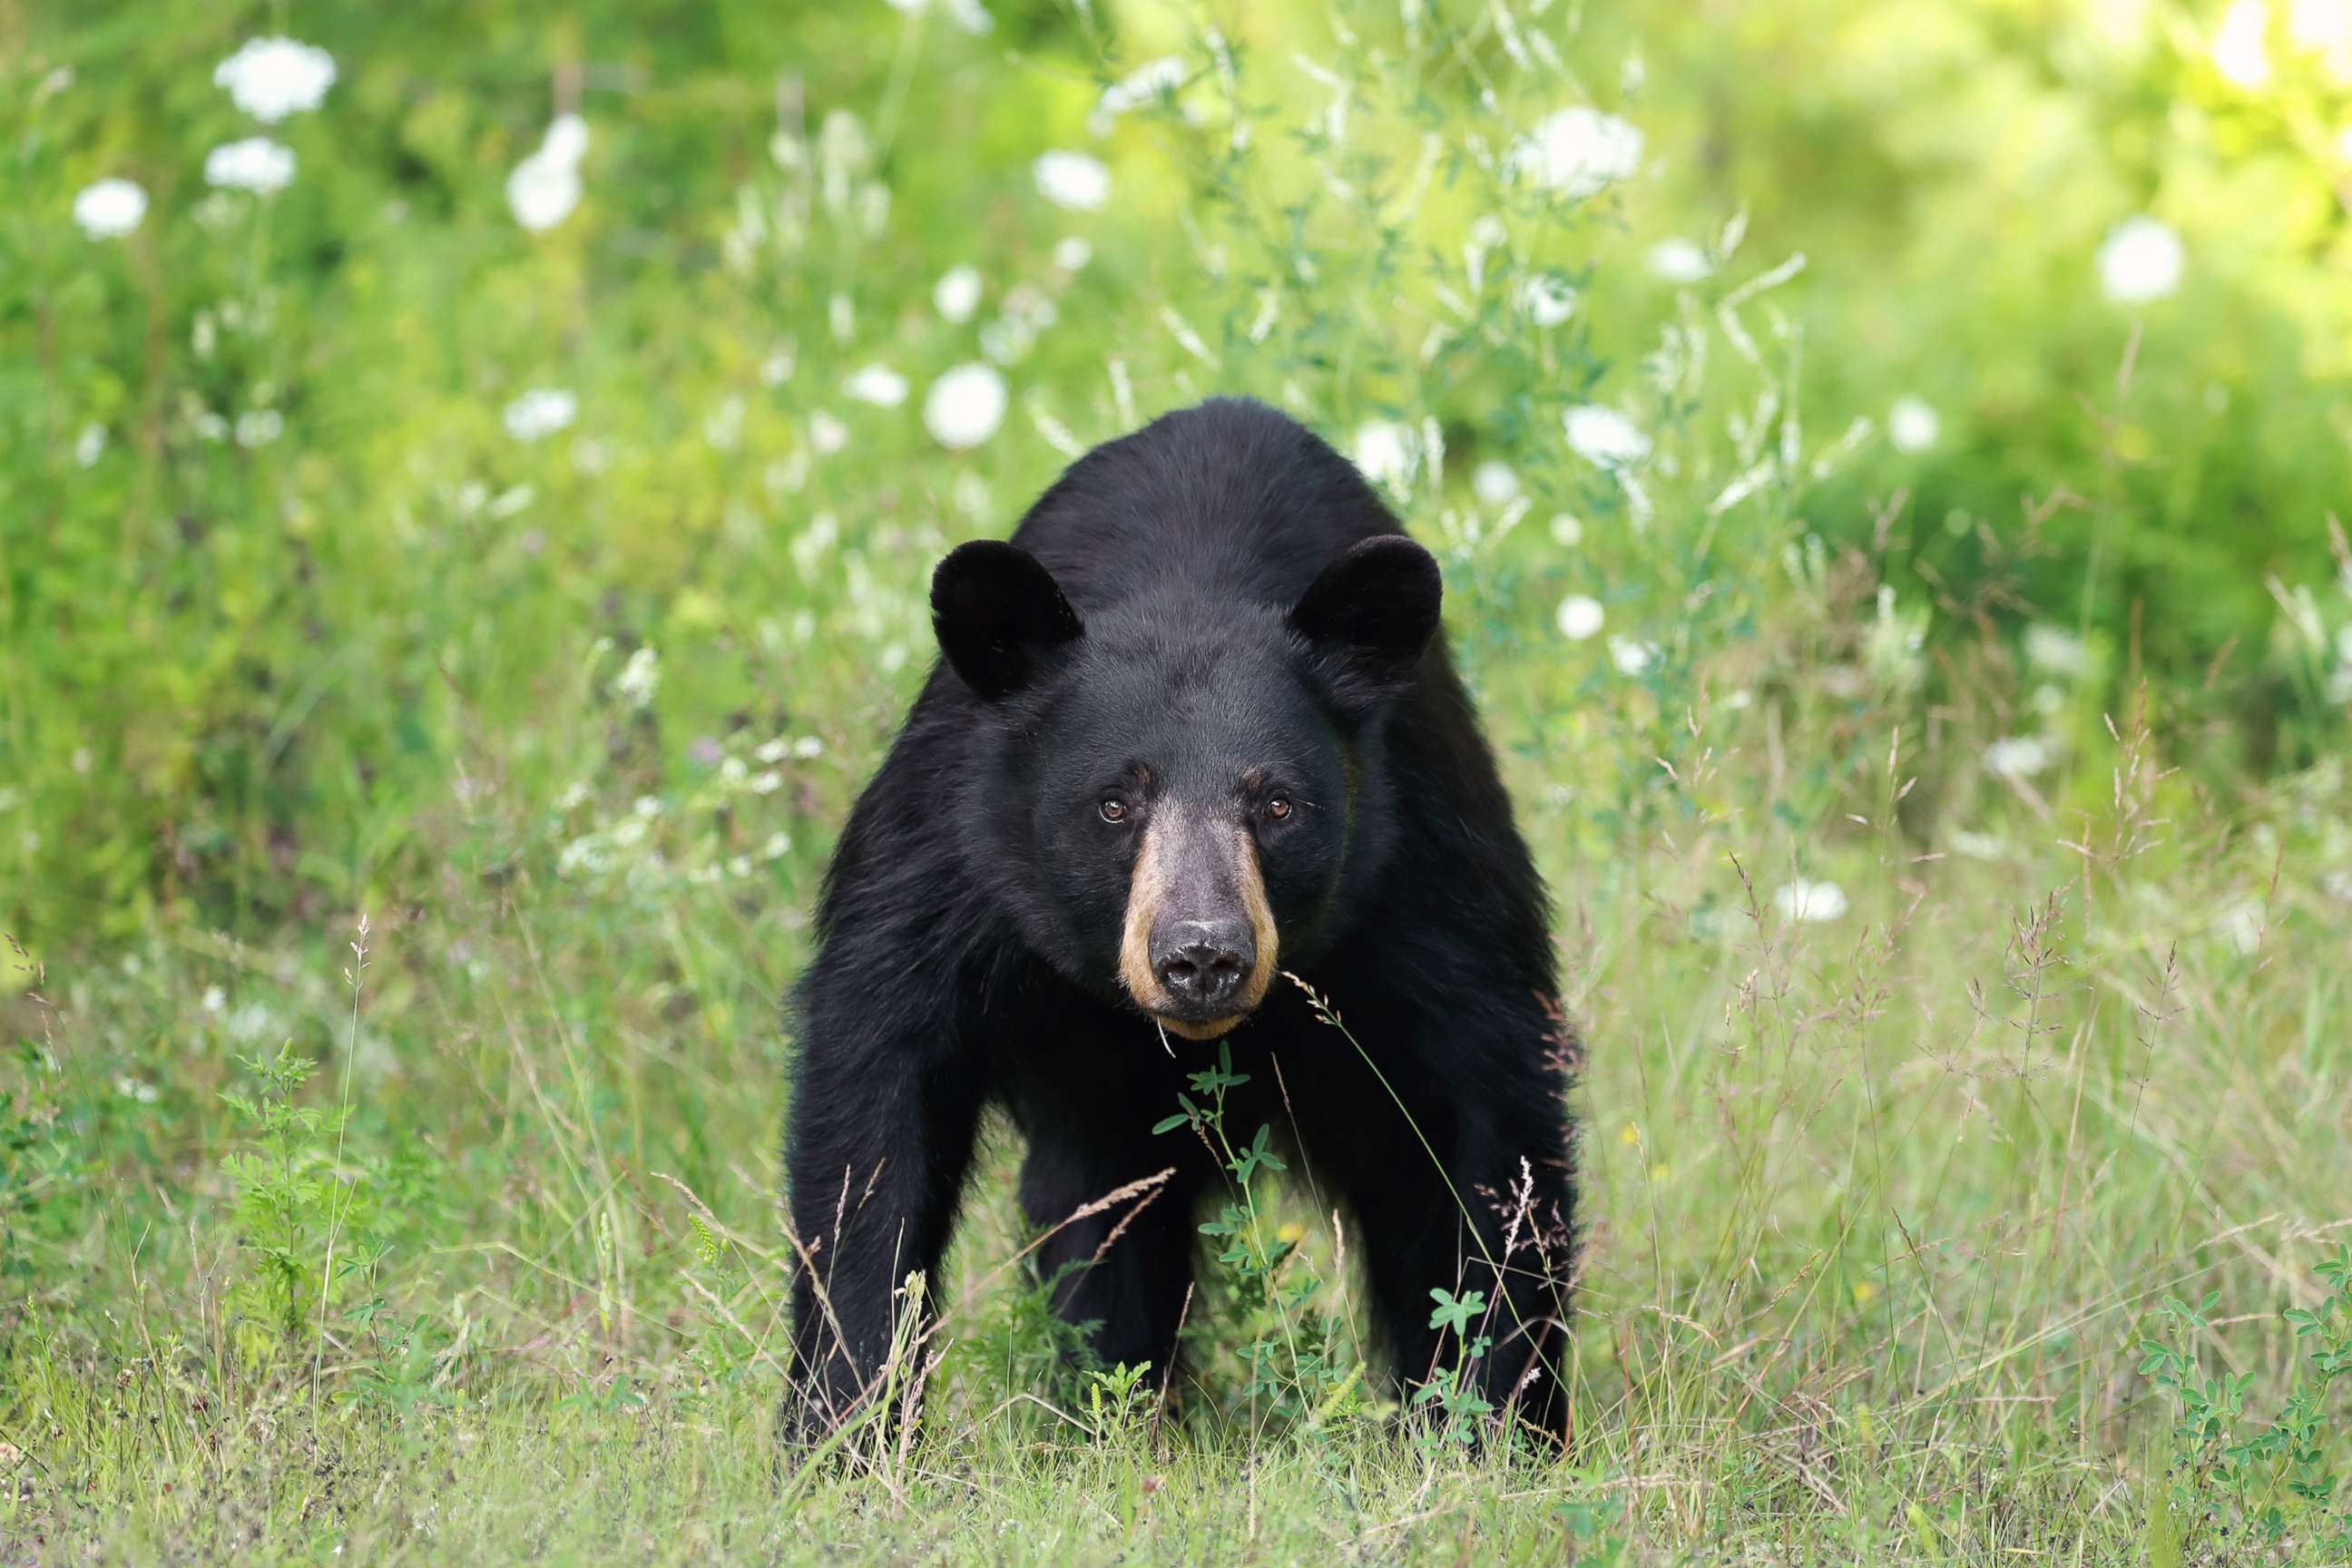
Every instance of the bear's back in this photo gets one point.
(1227, 499)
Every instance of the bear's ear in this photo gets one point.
(998, 613)
(1371, 612)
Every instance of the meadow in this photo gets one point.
(470, 482)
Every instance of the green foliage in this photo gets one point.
(2277, 1484)
(1947, 825)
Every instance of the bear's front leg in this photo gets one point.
(883, 1112)
(1466, 1187)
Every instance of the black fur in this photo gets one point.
(1217, 606)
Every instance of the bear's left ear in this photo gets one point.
(1371, 614)
(999, 614)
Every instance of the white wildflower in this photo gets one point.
(2238, 52)
(2017, 756)
(808, 746)
(90, 445)
(1629, 656)
(1494, 483)
(1912, 426)
(1383, 451)
(767, 783)
(271, 79)
(1567, 532)
(827, 435)
(1977, 846)
(1805, 901)
(541, 413)
(215, 999)
(1577, 152)
(778, 846)
(1072, 180)
(1071, 253)
(1547, 301)
(255, 163)
(2241, 924)
(640, 677)
(544, 187)
(969, 15)
(1140, 86)
(130, 1088)
(258, 427)
(1680, 260)
(878, 385)
(2059, 652)
(110, 208)
(957, 294)
(965, 406)
(774, 751)
(2141, 261)
(1603, 436)
(1579, 616)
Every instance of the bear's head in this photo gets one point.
(1171, 794)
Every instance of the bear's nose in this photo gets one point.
(1202, 964)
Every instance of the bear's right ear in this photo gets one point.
(999, 612)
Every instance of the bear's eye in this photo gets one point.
(1278, 807)
(1113, 809)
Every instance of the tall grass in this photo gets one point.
(1939, 1024)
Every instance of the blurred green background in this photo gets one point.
(279, 571)
(470, 482)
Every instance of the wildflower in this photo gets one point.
(1805, 901)
(767, 783)
(957, 294)
(1140, 86)
(965, 406)
(2059, 652)
(1912, 426)
(1567, 532)
(1072, 180)
(1547, 301)
(878, 385)
(109, 209)
(215, 999)
(138, 1089)
(1383, 450)
(969, 15)
(639, 677)
(1071, 253)
(541, 413)
(271, 79)
(1579, 616)
(2017, 756)
(2141, 261)
(1629, 656)
(1494, 483)
(774, 751)
(808, 746)
(258, 427)
(255, 163)
(2238, 51)
(1680, 261)
(544, 187)
(90, 445)
(1577, 152)
(827, 435)
(1603, 436)
(2241, 925)
(778, 846)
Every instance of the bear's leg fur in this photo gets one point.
(881, 1135)
(1125, 1270)
(1488, 1205)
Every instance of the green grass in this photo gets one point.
(409, 828)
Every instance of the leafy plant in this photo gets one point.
(2274, 1483)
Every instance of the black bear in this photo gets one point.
(1194, 727)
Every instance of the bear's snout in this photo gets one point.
(1203, 963)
